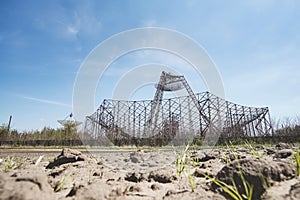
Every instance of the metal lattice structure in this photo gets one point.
(158, 121)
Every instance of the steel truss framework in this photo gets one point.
(159, 121)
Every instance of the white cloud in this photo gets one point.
(72, 30)
(46, 101)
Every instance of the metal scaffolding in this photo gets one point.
(160, 121)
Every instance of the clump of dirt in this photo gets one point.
(259, 173)
(67, 156)
(284, 153)
(165, 175)
(135, 177)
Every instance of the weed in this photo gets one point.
(225, 158)
(61, 184)
(297, 158)
(232, 190)
(232, 151)
(229, 189)
(181, 161)
(182, 165)
(254, 153)
(10, 163)
(264, 181)
(191, 181)
(90, 177)
(96, 159)
(247, 186)
(195, 162)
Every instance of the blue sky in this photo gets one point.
(255, 45)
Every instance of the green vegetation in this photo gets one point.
(182, 164)
(10, 163)
(191, 180)
(232, 190)
(61, 184)
(264, 180)
(45, 137)
(90, 174)
(181, 161)
(287, 131)
(225, 157)
(253, 152)
(297, 158)
(284, 131)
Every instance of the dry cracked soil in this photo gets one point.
(271, 171)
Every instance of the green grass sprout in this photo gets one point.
(297, 158)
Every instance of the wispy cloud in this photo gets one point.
(46, 101)
(66, 23)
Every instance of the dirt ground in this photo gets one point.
(269, 171)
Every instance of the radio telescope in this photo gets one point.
(69, 121)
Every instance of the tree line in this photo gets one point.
(287, 129)
(46, 137)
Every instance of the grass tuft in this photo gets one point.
(232, 190)
(297, 158)
(254, 153)
(10, 163)
(61, 184)
(183, 162)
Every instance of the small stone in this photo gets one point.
(155, 186)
